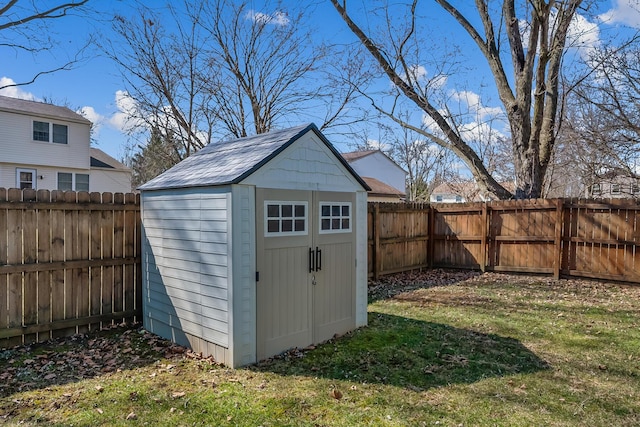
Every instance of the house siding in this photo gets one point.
(102, 180)
(17, 145)
(306, 165)
(185, 266)
(378, 166)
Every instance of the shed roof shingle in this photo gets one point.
(229, 162)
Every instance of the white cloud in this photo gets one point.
(583, 35)
(474, 104)
(92, 115)
(276, 18)
(482, 133)
(375, 144)
(624, 12)
(14, 91)
(124, 118)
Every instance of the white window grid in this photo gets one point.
(335, 217)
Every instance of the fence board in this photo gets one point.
(44, 257)
(58, 297)
(4, 286)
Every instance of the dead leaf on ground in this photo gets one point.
(336, 394)
(178, 394)
(132, 416)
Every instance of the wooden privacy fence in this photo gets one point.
(568, 237)
(69, 262)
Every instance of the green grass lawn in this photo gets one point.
(441, 348)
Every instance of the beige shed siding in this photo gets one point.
(185, 267)
(243, 325)
(306, 165)
(361, 258)
(17, 145)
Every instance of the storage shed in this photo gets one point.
(254, 246)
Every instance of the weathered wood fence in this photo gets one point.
(560, 237)
(69, 262)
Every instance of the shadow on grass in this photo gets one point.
(409, 353)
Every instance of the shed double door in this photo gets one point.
(306, 268)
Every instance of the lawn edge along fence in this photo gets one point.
(69, 262)
(560, 237)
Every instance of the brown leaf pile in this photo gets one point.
(74, 358)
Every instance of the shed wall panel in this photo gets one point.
(186, 279)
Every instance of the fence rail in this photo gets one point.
(69, 262)
(568, 237)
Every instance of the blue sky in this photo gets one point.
(95, 87)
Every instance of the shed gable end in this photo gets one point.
(308, 164)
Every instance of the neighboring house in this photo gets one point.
(44, 146)
(614, 186)
(461, 192)
(386, 179)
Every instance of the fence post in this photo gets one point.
(557, 244)
(430, 242)
(376, 241)
(483, 242)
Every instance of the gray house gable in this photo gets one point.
(229, 162)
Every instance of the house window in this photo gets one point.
(60, 134)
(68, 181)
(615, 188)
(635, 188)
(596, 190)
(285, 218)
(459, 199)
(438, 198)
(82, 182)
(47, 132)
(335, 217)
(65, 181)
(25, 178)
(41, 131)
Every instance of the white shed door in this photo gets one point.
(306, 267)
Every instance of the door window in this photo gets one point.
(335, 217)
(285, 218)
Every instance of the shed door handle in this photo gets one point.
(318, 259)
(312, 257)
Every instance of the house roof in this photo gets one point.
(382, 189)
(40, 109)
(352, 156)
(100, 159)
(355, 155)
(229, 162)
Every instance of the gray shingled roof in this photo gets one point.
(40, 109)
(229, 162)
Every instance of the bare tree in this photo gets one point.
(28, 22)
(218, 68)
(163, 71)
(526, 79)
